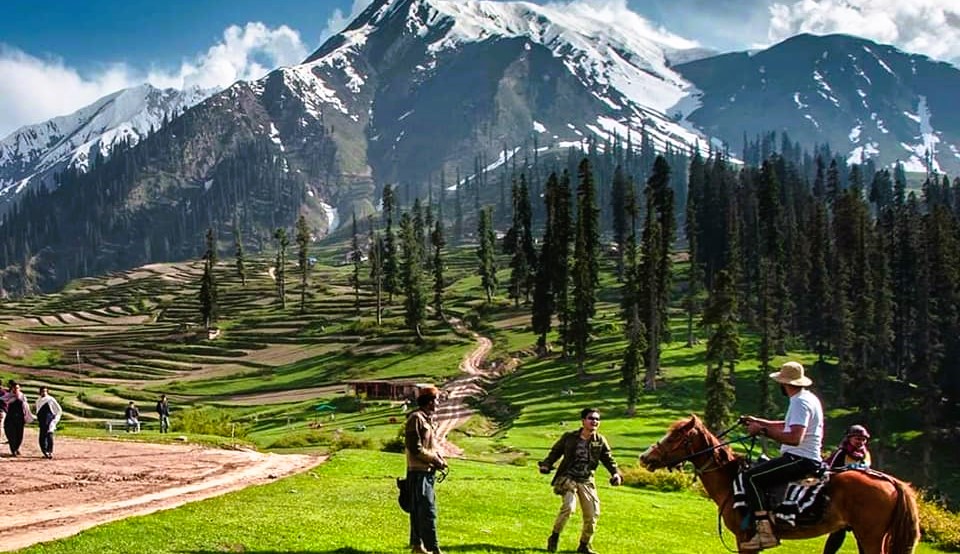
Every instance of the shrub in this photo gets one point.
(661, 480)
(208, 421)
(394, 445)
(939, 525)
(300, 440)
(342, 441)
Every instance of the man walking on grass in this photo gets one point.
(423, 461)
(582, 451)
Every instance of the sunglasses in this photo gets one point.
(593, 418)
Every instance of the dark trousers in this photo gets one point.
(774, 472)
(13, 427)
(423, 510)
(46, 440)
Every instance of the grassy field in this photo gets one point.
(133, 335)
(348, 505)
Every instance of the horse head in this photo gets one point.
(684, 440)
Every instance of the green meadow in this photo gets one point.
(262, 382)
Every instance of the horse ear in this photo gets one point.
(694, 420)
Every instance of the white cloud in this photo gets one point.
(618, 14)
(35, 89)
(930, 27)
(338, 21)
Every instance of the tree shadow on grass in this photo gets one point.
(341, 550)
(486, 547)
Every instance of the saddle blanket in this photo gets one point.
(797, 499)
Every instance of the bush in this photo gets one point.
(300, 440)
(343, 441)
(394, 445)
(208, 421)
(939, 525)
(660, 480)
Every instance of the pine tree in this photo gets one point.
(281, 261)
(241, 262)
(439, 284)
(520, 242)
(391, 267)
(415, 303)
(560, 268)
(376, 269)
(618, 206)
(485, 254)
(208, 284)
(586, 265)
(356, 256)
(723, 351)
(543, 302)
(695, 186)
(303, 241)
(655, 266)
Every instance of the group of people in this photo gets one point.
(800, 435)
(581, 451)
(15, 414)
(132, 415)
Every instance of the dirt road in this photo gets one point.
(90, 482)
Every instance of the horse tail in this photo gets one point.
(904, 528)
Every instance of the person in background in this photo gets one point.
(851, 454)
(3, 413)
(582, 451)
(48, 415)
(423, 461)
(18, 415)
(163, 411)
(132, 415)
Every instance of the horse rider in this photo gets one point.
(851, 454)
(800, 435)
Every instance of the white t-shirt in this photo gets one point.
(805, 410)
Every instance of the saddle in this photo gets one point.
(794, 504)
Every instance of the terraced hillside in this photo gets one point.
(133, 335)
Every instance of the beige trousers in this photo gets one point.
(586, 493)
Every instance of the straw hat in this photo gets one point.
(791, 373)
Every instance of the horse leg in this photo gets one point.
(870, 541)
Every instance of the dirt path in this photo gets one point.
(454, 411)
(90, 482)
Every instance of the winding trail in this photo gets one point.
(454, 410)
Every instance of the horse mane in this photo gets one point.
(723, 455)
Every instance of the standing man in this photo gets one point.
(423, 461)
(3, 412)
(800, 435)
(163, 411)
(48, 415)
(18, 415)
(582, 450)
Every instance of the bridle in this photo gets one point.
(712, 464)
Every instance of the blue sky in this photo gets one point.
(58, 55)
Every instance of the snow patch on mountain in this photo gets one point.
(76, 139)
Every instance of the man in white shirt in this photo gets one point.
(48, 415)
(800, 435)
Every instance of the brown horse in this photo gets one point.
(881, 510)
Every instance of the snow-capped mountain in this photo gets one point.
(31, 154)
(435, 82)
(864, 99)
